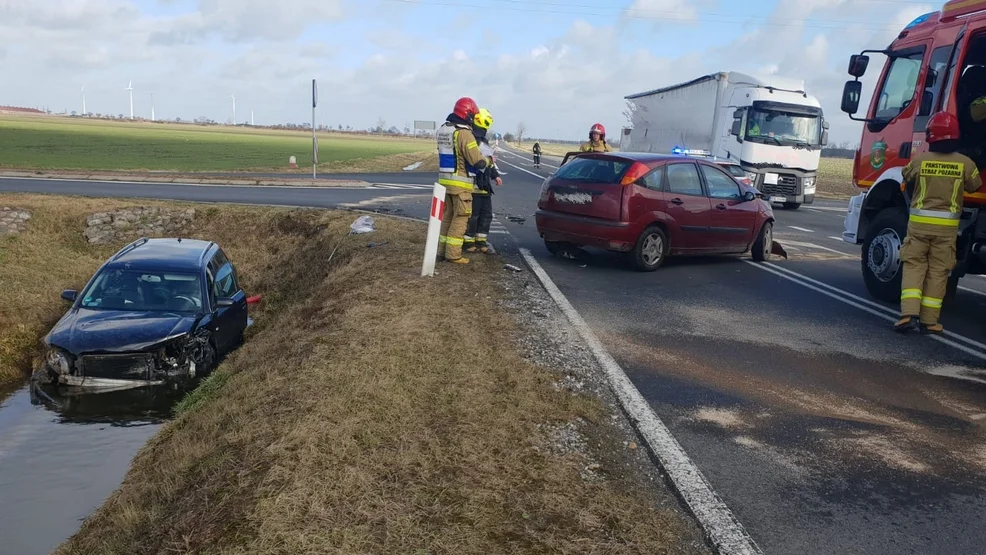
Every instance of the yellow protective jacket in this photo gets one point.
(459, 157)
(978, 110)
(939, 181)
(595, 146)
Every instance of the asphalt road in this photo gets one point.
(822, 430)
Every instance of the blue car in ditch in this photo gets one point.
(159, 311)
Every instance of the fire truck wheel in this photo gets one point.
(882, 270)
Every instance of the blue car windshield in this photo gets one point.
(135, 290)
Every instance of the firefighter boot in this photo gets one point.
(906, 324)
(933, 329)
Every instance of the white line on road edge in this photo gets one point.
(801, 229)
(865, 305)
(724, 531)
(525, 158)
(814, 246)
(834, 238)
(524, 170)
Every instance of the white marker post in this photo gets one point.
(314, 138)
(434, 230)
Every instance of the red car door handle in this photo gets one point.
(677, 201)
(721, 206)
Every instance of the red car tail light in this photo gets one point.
(636, 171)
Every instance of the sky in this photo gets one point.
(557, 66)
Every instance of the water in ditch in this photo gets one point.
(61, 456)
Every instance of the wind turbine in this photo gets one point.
(152, 106)
(130, 88)
(234, 108)
(84, 101)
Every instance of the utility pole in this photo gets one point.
(152, 106)
(314, 138)
(234, 108)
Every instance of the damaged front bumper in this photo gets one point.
(171, 361)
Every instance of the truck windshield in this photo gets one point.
(782, 128)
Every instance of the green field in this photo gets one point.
(835, 178)
(62, 143)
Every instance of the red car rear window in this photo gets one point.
(593, 170)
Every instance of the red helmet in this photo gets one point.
(598, 128)
(465, 108)
(943, 126)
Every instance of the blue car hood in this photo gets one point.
(112, 331)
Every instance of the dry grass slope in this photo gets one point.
(360, 417)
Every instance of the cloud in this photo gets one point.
(381, 59)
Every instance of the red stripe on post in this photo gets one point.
(435, 208)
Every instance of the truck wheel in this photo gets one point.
(651, 250)
(761, 247)
(882, 269)
(792, 205)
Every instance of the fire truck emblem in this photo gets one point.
(878, 155)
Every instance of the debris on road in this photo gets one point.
(776, 248)
(512, 268)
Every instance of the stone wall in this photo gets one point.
(13, 221)
(132, 223)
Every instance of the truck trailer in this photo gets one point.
(769, 125)
(936, 63)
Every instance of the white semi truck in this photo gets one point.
(769, 125)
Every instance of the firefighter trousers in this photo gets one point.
(537, 159)
(458, 209)
(477, 234)
(928, 259)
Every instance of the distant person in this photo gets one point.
(537, 154)
(459, 158)
(477, 233)
(928, 252)
(597, 140)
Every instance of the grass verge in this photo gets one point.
(61, 143)
(371, 411)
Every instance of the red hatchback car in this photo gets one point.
(651, 206)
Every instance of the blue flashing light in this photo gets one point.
(920, 19)
(677, 150)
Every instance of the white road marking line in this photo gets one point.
(801, 229)
(511, 153)
(834, 238)
(951, 339)
(826, 208)
(524, 170)
(723, 529)
(813, 246)
(972, 291)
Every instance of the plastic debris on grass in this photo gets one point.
(363, 224)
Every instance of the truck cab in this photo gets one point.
(937, 63)
(768, 125)
(778, 132)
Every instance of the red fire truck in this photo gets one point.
(938, 62)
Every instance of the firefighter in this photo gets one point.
(537, 154)
(482, 202)
(459, 158)
(597, 140)
(938, 180)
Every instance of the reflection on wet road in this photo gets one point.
(61, 456)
